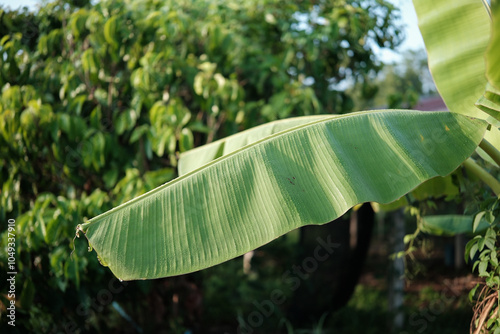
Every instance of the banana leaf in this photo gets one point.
(308, 174)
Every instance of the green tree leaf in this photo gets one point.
(110, 33)
(477, 220)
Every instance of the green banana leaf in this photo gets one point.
(490, 101)
(488, 107)
(197, 157)
(450, 225)
(437, 187)
(493, 52)
(456, 35)
(492, 136)
(308, 174)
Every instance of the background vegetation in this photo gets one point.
(98, 101)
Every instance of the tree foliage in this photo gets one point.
(251, 202)
(399, 84)
(98, 101)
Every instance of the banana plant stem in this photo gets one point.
(472, 167)
(490, 150)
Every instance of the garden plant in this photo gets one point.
(99, 98)
(243, 191)
(103, 102)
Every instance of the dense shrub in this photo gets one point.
(98, 100)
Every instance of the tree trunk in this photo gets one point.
(397, 270)
(331, 286)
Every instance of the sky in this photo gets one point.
(14, 4)
(413, 39)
